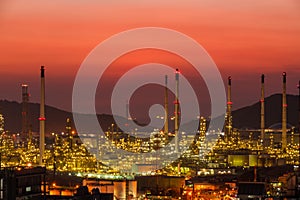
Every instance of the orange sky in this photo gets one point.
(244, 38)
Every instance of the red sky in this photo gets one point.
(244, 38)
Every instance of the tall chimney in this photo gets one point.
(166, 129)
(299, 107)
(42, 116)
(284, 108)
(25, 111)
(262, 111)
(176, 109)
(228, 125)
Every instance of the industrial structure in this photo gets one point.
(299, 105)
(228, 116)
(176, 102)
(166, 117)
(284, 112)
(262, 111)
(42, 117)
(22, 183)
(25, 110)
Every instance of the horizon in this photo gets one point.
(53, 106)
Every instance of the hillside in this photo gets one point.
(249, 117)
(246, 117)
(56, 118)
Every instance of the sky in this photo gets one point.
(244, 38)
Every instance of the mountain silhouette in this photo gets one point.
(249, 116)
(244, 118)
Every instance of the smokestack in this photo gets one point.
(299, 108)
(176, 109)
(25, 111)
(284, 108)
(166, 130)
(228, 127)
(42, 116)
(262, 111)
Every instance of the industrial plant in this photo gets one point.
(230, 163)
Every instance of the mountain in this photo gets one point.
(249, 116)
(246, 117)
(55, 118)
